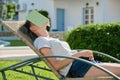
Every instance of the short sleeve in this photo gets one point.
(41, 42)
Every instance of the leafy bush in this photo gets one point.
(0, 11)
(10, 10)
(101, 37)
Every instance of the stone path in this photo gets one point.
(17, 53)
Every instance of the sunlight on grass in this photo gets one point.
(5, 63)
(12, 75)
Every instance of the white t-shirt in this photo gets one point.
(58, 48)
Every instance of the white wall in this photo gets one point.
(47, 5)
(73, 14)
(112, 11)
(106, 11)
(74, 10)
(109, 11)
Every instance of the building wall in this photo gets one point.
(112, 11)
(108, 11)
(105, 11)
(74, 11)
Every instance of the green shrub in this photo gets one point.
(0, 11)
(101, 37)
(10, 10)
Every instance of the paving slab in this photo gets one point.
(16, 53)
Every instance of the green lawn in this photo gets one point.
(11, 75)
(16, 43)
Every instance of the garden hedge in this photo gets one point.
(101, 37)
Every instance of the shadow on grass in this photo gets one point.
(12, 75)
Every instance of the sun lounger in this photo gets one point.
(14, 26)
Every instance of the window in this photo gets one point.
(88, 15)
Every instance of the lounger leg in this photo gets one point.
(4, 76)
(34, 72)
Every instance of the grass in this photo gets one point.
(16, 43)
(12, 75)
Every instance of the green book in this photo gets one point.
(36, 18)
